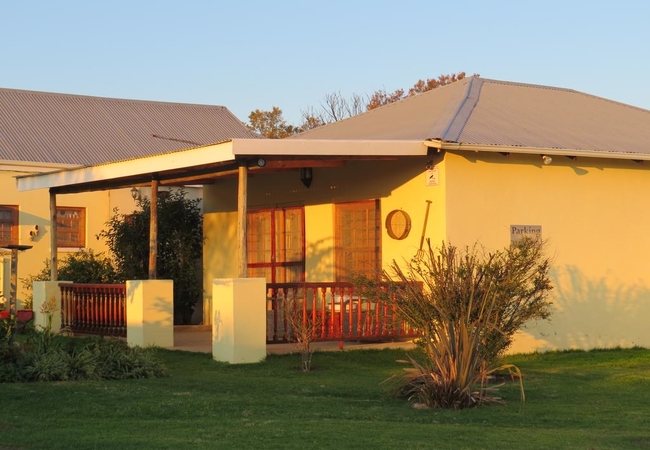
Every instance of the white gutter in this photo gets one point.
(456, 146)
(32, 167)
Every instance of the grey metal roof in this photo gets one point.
(490, 112)
(73, 129)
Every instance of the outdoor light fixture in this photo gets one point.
(33, 233)
(547, 159)
(261, 162)
(135, 193)
(306, 176)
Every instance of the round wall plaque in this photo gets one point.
(398, 224)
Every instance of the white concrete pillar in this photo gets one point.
(239, 320)
(150, 313)
(41, 293)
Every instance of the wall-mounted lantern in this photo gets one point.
(306, 176)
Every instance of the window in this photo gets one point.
(276, 244)
(357, 237)
(8, 224)
(71, 227)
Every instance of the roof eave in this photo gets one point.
(459, 146)
(129, 168)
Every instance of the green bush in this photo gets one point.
(84, 266)
(467, 307)
(49, 357)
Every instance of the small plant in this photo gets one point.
(7, 326)
(48, 309)
(303, 330)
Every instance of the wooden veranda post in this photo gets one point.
(242, 260)
(153, 230)
(54, 233)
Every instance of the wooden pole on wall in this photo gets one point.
(242, 260)
(153, 231)
(54, 271)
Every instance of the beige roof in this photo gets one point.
(482, 112)
(73, 129)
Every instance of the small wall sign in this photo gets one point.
(432, 176)
(518, 232)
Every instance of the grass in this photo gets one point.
(581, 400)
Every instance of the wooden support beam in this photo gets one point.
(153, 231)
(54, 232)
(242, 211)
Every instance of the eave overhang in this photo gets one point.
(201, 164)
(441, 145)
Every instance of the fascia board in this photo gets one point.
(159, 163)
(326, 147)
(455, 146)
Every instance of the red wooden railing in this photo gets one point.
(337, 311)
(98, 309)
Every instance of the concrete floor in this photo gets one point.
(198, 338)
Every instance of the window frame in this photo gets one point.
(14, 225)
(277, 261)
(342, 273)
(81, 221)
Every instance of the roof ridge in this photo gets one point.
(457, 114)
(101, 98)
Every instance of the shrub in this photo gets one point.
(467, 306)
(49, 357)
(302, 332)
(84, 266)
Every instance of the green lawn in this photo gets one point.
(582, 400)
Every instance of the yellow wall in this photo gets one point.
(34, 210)
(595, 215)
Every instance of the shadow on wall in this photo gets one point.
(320, 260)
(150, 319)
(590, 313)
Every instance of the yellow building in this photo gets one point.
(494, 159)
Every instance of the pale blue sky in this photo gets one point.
(256, 54)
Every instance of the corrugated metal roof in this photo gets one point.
(73, 129)
(490, 112)
(537, 116)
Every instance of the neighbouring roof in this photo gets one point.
(81, 130)
(483, 112)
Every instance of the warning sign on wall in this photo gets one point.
(432, 176)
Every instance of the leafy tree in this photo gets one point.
(180, 247)
(335, 107)
(270, 124)
(382, 98)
